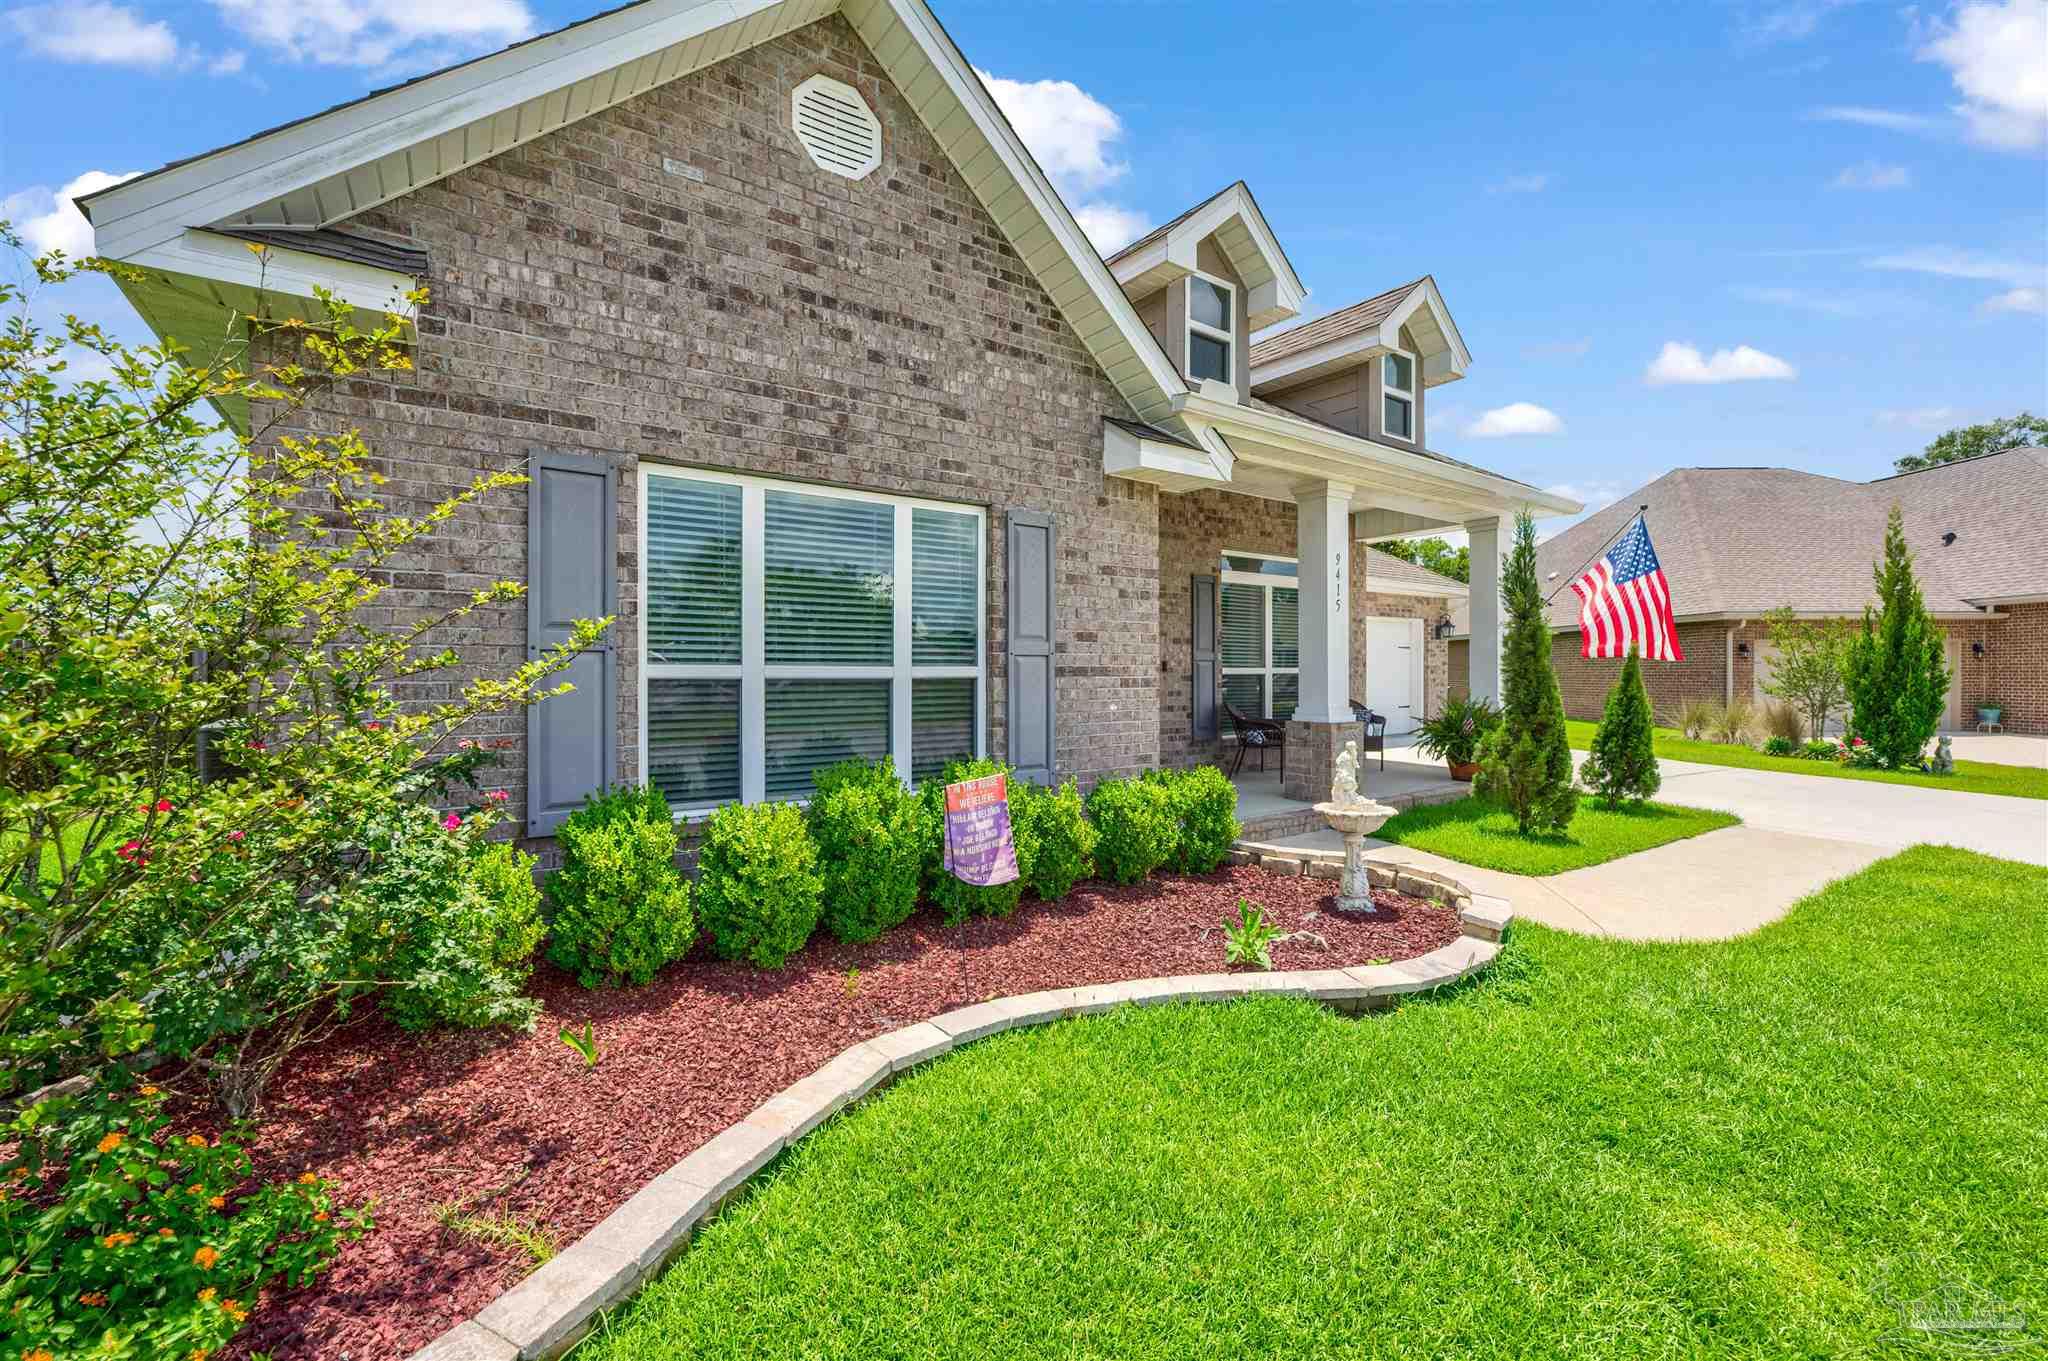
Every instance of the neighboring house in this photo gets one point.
(826, 396)
(1736, 543)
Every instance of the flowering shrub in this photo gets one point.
(757, 882)
(870, 853)
(620, 908)
(126, 1238)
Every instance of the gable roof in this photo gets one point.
(320, 170)
(1384, 571)
(1340, 340)
(1740, 542)
(1167, 252)
(1345, 321)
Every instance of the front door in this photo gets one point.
(1393, 671)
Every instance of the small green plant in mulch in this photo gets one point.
(536, 1241)
(1249, 939)
(584, 1042)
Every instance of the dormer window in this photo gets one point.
(1212, 306)
(1397, 395)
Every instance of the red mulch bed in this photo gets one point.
(515, 1122)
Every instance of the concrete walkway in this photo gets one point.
(1799, 832)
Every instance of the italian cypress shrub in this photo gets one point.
(1898, 680)
(1623, 761)
(1526, 763)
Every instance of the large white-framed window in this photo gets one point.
(1260, 641)
(1397, 394)
(785, 626)
(1212, 335)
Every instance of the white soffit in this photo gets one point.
(1273, 291)
(329, 167)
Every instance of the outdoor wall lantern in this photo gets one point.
(1443, 626)
(1976, 649)
(1742, 649)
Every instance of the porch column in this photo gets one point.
(1483, 653)
(1322, 720)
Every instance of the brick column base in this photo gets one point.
(1312, 757)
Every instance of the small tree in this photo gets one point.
(2023, 431)
(1810, 672)
(1623, 761)
(1897, 678)
(1526, 763)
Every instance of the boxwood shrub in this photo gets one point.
(758, 887)
(1203, 802)
(1061, 837)
(620, 909)
(869, 832)
(955, 900)
(1135, 828)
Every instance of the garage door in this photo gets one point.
(1393, 671)
(1952, 707)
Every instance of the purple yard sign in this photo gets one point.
(979, 848)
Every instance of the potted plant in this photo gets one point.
(1454, 735)
(1989, 714)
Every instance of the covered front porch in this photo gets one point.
(1266, 813)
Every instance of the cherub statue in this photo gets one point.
(1344, 788)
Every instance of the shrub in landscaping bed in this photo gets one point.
(620, 908)
(870, 847)
(1780, 746)
(1055, 824)
(1820, 749)
(1622, 764)
(957, 901)
(1135, 828)
(1203, 804)
(468, 915)
(758, 887)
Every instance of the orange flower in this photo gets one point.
(217, 1202)
(149, 1091)
(165, 1233)
(37, 1354)
(117, 1240)
(322, 1217)
(198, 1354)
(307, 1179)
(195, 1189)
(205, 1258)
(111, 1142)
(206, 1295)
(196, 1140)
(18, 1173)
(93, 1299)
(234, 1310)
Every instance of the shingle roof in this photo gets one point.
(1743, 541)
(1345, 321)
(1153, 432)
(335, 245)
(1163, 228)
(1383, 567)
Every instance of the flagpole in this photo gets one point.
(1642, 513)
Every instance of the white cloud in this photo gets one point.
(1516, 418)
(1679, 363)
(1805, 300)
(2025, 300)
(1873, 175)
(1894, 120)
(48, 221)
(1595, 495)
(228, 63)
(378, 33)
(1111, 228)
(1994, 54)
(1520, 184)
(1919, 417)
(1559, 349)
(1074, 137)
(1784, 23)
(94, 31)
(1950, 263)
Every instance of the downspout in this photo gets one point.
(1728, 668)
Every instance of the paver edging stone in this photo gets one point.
(544, 1315)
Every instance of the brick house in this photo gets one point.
(1736, 543)
(826, 397)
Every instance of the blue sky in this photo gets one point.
(1807, 234)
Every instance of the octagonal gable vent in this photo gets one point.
(836, 127)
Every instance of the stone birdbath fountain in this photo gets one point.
(1352, 816)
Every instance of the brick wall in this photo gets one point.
(771, 319)
(2014, 670)
(1702, 675)
(1195, 528)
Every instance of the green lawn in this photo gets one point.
(1598, 1149)
(1971, 777)
(1474, 832)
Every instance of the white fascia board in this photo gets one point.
(1170, 466)
(1450, 590)
(1425, 294)
(131, 217)
(1992, 601)
(1159, 263)
(1323, 452)
(1332, 355)
(1236, 202)
(279, 269)
(1160, 376)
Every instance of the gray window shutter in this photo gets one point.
(1202, 654)
(1033, 725)
(572, 573)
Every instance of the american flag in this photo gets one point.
(1624, 599)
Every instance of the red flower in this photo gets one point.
(497, 796)
(163, 805)
(130, 850)
(237, 834)
(372, 726)
(451, 822)
(258, 746)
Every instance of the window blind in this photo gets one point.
(1244, 624)
(941, 725)
(1246, 694)
(813, 723)
(693, 573)
(830, 586)
(1286, 694)
(1286, 626)
(945, 594)
(693, 740)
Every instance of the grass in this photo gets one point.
(1599, 1149)
(1475, 832)
(1971, 777)
(498, 1229)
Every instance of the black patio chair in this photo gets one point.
(1260, 733)
(1375, 731)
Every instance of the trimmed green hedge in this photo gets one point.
(620, 909)
(870, 847)
(758, 887)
